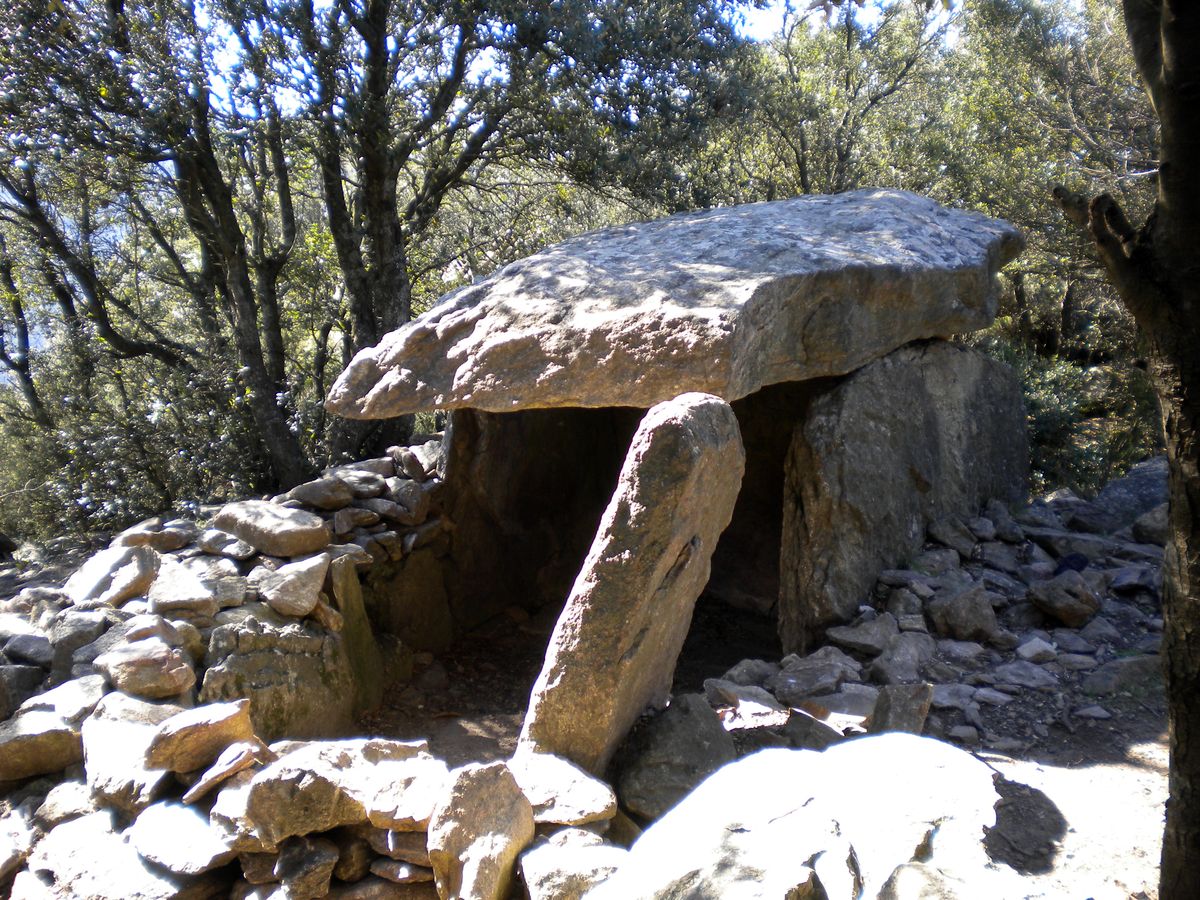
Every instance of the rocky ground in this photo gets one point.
(1029, 638)
(1053, 680)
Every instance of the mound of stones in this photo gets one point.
(153, 796)
(261, 601)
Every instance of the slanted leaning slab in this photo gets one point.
(724, 301)
(614, 647)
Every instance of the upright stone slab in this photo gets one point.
(613, 650)
(725, 301)
(930, 430)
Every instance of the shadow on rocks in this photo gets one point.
(1028, 829)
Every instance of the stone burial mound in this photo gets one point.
(819, 319)
(757, 404)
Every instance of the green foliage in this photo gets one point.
(207, 209)
(1086, 424)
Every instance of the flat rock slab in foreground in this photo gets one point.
(724, 301)
(849, 822)
(614, 647)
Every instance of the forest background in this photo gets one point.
(207, 207)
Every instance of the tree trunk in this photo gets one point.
(1179, 393)
(1156, 270)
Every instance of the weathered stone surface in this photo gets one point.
(65, 801)
(149, 668)
(821, 672)
(870, 636)
(322, 785)
(955, 534)
(298, 679)
(901, 660)
(362, 650)
(406, 846)
(88, 858)
(1123, 500)
(614, 647)
(376, 888)
(71, 700)
(115, 738)
(192, 739)
(305, 866)
(37, 743)
(401, 872)
(30, 649)
(477, 831)
(19, 683)
(17, 837)
(293, 589)
(1036, 650)
(113, 576)
(1025, 674)
(567, 864)
(669, 755)
(235, 758)
(1067, 598)
(747, 702)
(772, 821)
(963, 612)
(179, 838)
(180, 588)
(328, 493)
(1135, 673)
(929, 431)
(1153, 527)
(902, 707)
(724, 301)
(752, 671)
(154, 533)
(274, 529)
(560, 792)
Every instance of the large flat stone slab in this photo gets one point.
(613, 650)
(724, 301)
(929, 431)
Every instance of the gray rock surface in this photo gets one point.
(723, 301)
(298, 678)
(929, 431)
(179, 838)
(322, 785)
(37, 743)
(194, 738)
(293, 588)
(89, 858)
(115, 738)
(672, 753)
(274, 529)
(113, 576)
(567, 864)
(1067, 598)
(149, 668)
(820, 821)
(477, 831)
(1123, 500)
(613, 649)
(560, 792)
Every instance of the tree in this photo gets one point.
(224, 195)
(1156, 270)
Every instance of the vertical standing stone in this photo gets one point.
(930, 430)
(613, 650)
